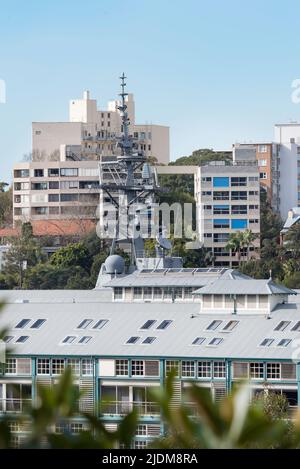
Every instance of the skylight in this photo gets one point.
(282, 325)
(69, 339)
(38, 323)
(216, 341)
(101, 323)
(284, 342)
(22, 339)
(230, 325)
(8, 338)
(148, 324)
(149, 340)
(22, 323)
(267, 342)
(85, 323)
(296, 327)
(132, 340)
(164, 324)
(198, 341)
(85, 339)
(214, 325)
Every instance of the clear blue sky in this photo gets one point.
(215, 71)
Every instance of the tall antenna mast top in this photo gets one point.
(126, 141)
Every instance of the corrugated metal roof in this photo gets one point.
(126, 319)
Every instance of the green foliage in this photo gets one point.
(6, 204)
(72, 255)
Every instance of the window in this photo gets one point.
(43, 366)
(253, 207)
(296, 327)
(149, 340)
(86, 367)
(69, 197)
(188, 369)
(69, 172)
(85, 339)
(148, 324)
(284, 342)
(11, 366)
(221, 223)
(53, 172)
(239, 224)
(188, 292)
(58, 366)
(221, 181)
(263, 175)
(118, 293)
(256, 370)
(239, 195)
(230, 325)
(38, 323)
(53, 198)
(267, 342)
(22, 323)
(204, 369)
(221, 195)
(239, 210)
(240, 370)
(273, 370)
(157, 293)
(121, 367)
(221, 209)
(100, 324)
(213, 325)
(219, 370)
(148, 293)
(53, 185)
(69, 339)
(262, 148)
(164, 324)
(132, 340)
(137, 368)
(206, 193)
(198, 341)
(172, 366)
(221, 237)
(22, 339)
(282, 325)
(206, 179)
(84, 324)
(254, 221)
(262, 162)
(238, 181)
(216, 341)
(74, 364)
(137, 293)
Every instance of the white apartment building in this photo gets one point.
(90, 133)
(227, 198)
(287, 140)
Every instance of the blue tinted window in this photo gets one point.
(239, 224)
(221, 223)
(221, 182)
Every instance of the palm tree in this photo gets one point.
(247, 240)
(235, 244)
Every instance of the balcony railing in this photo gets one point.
(14, 405)
(125, 407)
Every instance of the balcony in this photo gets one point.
(14, 405)
(120, 408)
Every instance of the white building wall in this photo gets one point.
(288, 136)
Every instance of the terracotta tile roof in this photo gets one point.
(53, 228)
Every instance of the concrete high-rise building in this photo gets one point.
(91, 133)
(263, 153)
(287, 152)
(228, 201)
